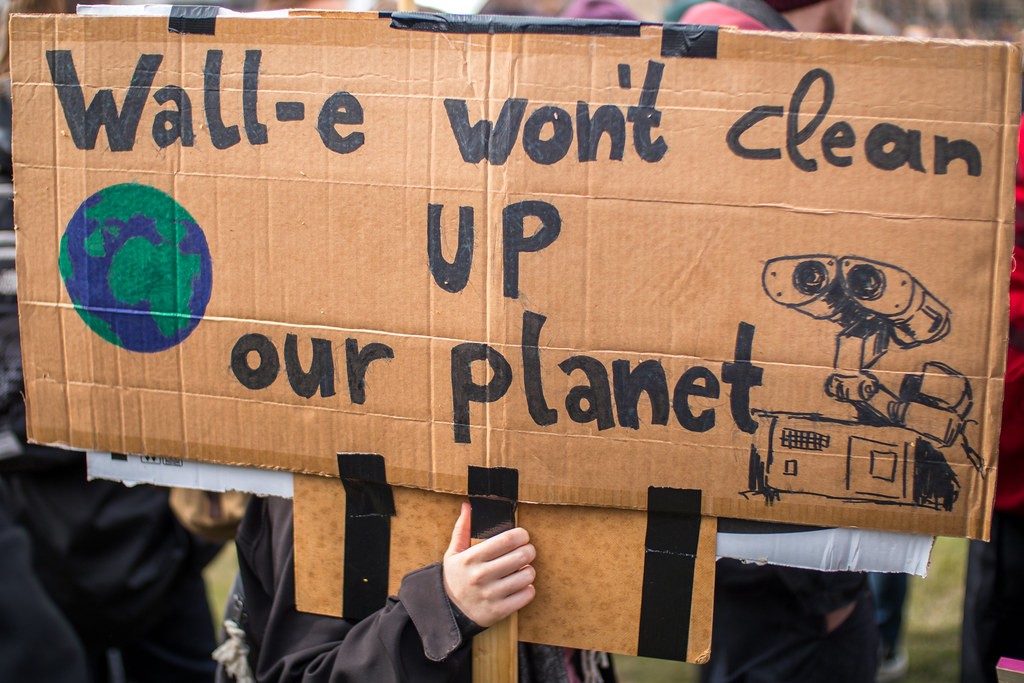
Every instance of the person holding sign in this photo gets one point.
(423, 634)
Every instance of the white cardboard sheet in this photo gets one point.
(825, 549)
(135, 469)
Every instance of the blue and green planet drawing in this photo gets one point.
(137, 267)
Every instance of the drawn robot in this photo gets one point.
(898, 441)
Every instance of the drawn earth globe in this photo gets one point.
(137, 267)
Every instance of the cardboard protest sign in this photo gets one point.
(597, 586)
(607, 256)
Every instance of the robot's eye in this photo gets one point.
(865, 282)
(810, 277)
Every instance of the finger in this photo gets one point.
(490, 567)
(499, 545)
(500, 608)
(515, 582)
(518, 600)
(460, 534)
(510, 562)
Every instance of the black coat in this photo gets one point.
(417, 636)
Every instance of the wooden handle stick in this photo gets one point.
(496, 653)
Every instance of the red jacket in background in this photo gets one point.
(1010, 481)
(714, 14)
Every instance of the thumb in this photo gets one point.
(460, 534)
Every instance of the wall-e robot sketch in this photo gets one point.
(898, 442)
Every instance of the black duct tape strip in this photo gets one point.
(369, 507)
(689, 40)
(729, 525)
(493, 495)
(492, 24)
(198, 19)
(670, 557)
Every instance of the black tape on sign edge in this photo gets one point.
(362, 466)
(493, 496)
(494, 24)
(369, 506)
(500, 482)
(195, 19)
(366, 486)
(689, 40)
(670, 557)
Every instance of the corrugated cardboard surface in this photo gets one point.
(590, 564)
(662, 262)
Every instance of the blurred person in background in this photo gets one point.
(114, 560)
(812, 16)
(37, 644)
(994, 597)
(890, 600)
(567, 9)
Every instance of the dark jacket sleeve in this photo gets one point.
(38, 644)
(416, 636)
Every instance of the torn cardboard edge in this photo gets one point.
(141, 469)
(824, 549)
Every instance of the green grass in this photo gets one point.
(935, 613)
(932, 624)
(219, 576)
(639, 669)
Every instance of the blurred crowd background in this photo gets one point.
(975, 19)
(966, 19)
